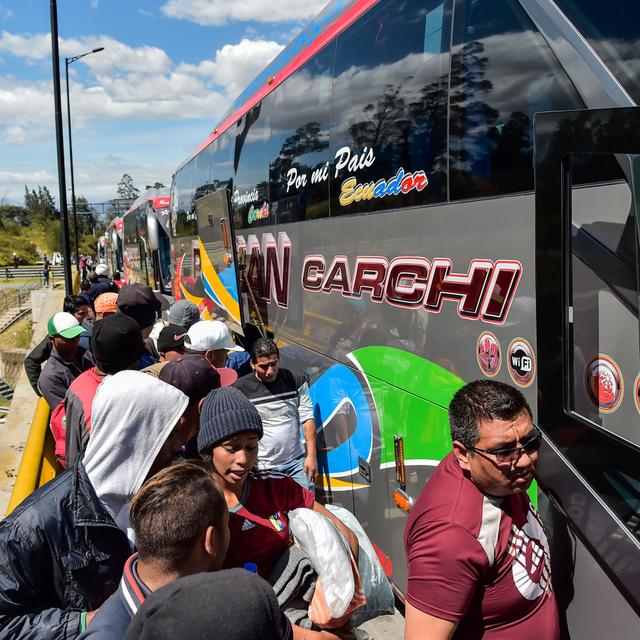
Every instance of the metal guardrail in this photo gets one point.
(30, 271)
(38, 464)
(19, 297)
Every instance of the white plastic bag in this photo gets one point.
(380, 598)
(327, 549)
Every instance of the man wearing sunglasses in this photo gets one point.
(478, 557)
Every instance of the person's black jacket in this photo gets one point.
(61, 554)
(34, 361)
(40, 354)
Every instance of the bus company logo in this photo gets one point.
(269, 265)
(522, 362)
(636, 392)
(258, 214)
(488, 354)
(484, 292)
(603, 383)
(241, 199)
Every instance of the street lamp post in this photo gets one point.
(64, 224)
(67, 62)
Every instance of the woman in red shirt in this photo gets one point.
(230, 428)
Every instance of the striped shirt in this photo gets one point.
(283, 405)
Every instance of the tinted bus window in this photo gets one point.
(202, 170)
(502, 72)
(613, 30)
(299, 166)
(221, 173)
(250, 195)
(389, 108)
(183, 220)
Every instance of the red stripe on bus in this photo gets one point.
(345, 20)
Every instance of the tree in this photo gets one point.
(14, 213)
(40, 205)
(126, 188)
(155, 185)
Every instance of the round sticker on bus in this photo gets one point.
(636, 392)
(603, 382)
(488, 354)
(521, 362)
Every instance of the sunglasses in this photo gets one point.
(511, 454)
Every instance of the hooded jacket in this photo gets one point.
(63, 549)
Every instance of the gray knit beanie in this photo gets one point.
(225, 413)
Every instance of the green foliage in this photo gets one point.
(155, 185)
(126, 188)
(34, 229)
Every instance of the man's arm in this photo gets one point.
(311, 461)
(419, 625)
(25, 589)
(33, 362)
(305, 415)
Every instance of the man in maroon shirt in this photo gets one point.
(478, 557)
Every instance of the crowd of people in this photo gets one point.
(183, 459)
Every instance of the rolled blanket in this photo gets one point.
(294, 580)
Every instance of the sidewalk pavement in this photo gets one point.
(13, 434)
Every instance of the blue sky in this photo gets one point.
(169, 70)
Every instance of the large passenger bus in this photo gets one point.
(146, 253)
(419, 193)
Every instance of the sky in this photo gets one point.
(169, 70)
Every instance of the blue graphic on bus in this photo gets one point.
(338, 392)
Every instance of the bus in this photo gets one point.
(146, 252)
(113, 246)
(419, 193)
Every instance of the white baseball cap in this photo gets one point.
(208, 335)
(64, 324)
(102, 270)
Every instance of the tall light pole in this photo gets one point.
(64, 221)
(67, 62)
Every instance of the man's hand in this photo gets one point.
(311, 467)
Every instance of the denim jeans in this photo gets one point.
(295, 470)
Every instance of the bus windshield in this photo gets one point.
(611, 29)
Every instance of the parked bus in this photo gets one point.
(419, 193)
(113, 246)
(146, 245)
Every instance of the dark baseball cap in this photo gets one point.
(142, 303)
(184, 312)
(171, 338)
(195, 376)
(116, 343)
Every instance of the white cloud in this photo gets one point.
(218, 12)
(39, 176)
(128, 82)
(235, 65)
(17, 134)
(31, 47)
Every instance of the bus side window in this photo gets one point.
(250, 197)
(502, 72)
(390, 108)
(299, 147)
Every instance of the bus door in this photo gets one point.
(217, 258)
(587, 192)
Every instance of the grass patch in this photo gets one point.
(17, 336)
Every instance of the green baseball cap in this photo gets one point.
(64, 324)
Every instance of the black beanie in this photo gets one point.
(233, 604)
(116, 343)
(225, 413)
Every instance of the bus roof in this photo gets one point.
(160, 199)
(327, 25)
